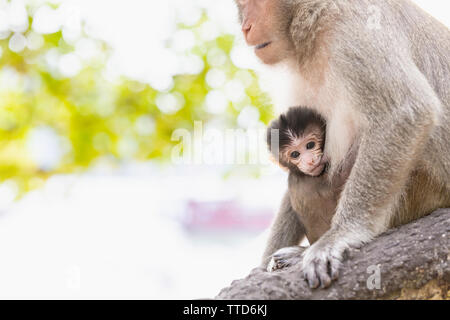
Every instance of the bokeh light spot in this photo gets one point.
(216, 57)
(69, 65)
(170, 102)
(45, 147)
(249, 117)
(215, 78)
(216, 102)
(46, 20)
(34, 41)
(235, 91)
(17, 42)
(145, 125)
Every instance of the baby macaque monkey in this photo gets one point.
(301, 134)
(312, 197)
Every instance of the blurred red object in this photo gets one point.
(225, 216)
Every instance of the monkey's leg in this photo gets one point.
(401, 114)
(286, 230)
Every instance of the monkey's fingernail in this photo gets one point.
(313, 284)
(325, 283)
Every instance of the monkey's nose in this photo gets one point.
(246, 27)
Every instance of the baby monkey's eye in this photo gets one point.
(295, 154)
(310, 145)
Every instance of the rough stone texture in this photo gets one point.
(414, 261)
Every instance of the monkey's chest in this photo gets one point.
(314, 201)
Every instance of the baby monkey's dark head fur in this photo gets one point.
(301, 141)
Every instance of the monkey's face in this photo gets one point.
(265, 25)
(305, 152)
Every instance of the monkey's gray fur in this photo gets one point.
(387, 88)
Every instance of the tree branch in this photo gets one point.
(414, 263)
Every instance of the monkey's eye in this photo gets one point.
(310, 145)
(295, 154)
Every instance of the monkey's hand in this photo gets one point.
(322, 261)
(285, 257)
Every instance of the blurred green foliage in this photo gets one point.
(93, 117)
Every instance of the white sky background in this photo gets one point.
(102, 235)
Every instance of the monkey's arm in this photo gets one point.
(286, 231)
(341, 177)
(400, 110)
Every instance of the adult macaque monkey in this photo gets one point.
(384, 86)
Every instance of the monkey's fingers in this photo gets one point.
(334, 266)
(277, 264)
(321, 270)
(309, 274)
(285, 257)
(322, 273)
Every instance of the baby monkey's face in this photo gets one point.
(305, 151)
